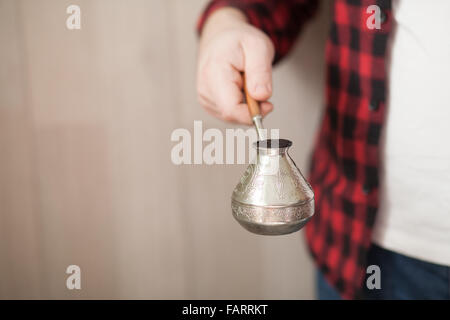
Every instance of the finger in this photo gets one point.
(214, 113)
(241, 115)
(258, 54)
(237, 114)
(265, 108)
(226, 86)
(207, 103)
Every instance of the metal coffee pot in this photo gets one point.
(272, 197)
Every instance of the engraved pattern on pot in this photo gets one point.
(243, 185)
(254, 213)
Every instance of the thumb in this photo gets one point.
(258, 68)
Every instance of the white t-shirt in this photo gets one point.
(414, 214)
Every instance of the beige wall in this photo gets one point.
(85, 170)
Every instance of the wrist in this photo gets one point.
(222, 19)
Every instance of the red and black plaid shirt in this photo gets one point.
(345, 161)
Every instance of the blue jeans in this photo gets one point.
(402, 277)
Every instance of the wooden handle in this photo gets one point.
(253, 105)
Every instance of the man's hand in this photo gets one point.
(228, 46)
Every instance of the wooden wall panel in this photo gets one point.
(85, 171)
(20, 254)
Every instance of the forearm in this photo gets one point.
(220, 19)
